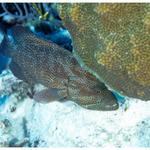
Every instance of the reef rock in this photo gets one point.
(113, 40)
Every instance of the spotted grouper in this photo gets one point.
(37, 61)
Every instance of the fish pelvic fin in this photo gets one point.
(50, 95)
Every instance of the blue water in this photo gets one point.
(3, 99)
(121, 99)
(3, 62)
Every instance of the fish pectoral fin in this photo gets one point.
(49, 95)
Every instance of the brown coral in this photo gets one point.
(114, 41)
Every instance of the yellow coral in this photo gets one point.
(147, 22)
(110, 57)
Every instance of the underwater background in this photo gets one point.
(27, 123)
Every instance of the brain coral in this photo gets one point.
(114, 41)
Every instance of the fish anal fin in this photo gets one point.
(49, 95)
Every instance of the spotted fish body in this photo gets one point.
(37, 61)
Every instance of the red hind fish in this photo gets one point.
(37, 61)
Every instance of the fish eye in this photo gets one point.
(98, 91)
